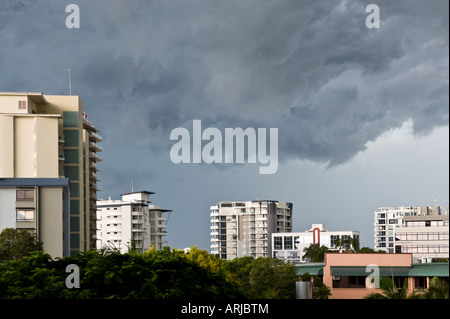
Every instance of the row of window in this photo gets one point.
(425, 249)
(423, 236)
(427, 223)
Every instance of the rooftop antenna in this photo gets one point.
(132, 186)
(70, 85)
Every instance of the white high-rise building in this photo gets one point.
(244, 228)
(387, 219)
(131, 221)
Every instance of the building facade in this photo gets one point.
(355, 275)
(131, 222)
(290, 247)
(47, 136)
(244, 228)
(41, 206)
(425, 236)
(387, 219)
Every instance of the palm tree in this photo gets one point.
(315, 253)
(350, 244)
(389, 290)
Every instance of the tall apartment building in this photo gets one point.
(244, 228)
(47, 136)
(387, 219)
(41, 206)
(289, 247)
(131, 221)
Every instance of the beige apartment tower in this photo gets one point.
(245, 228)
(49, 136)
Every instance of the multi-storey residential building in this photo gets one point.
(47, 136)
(91, 138)
(131, 222)
(425, 236)
(244, 228)
(387, 219)
(290, 247)
(41, 206)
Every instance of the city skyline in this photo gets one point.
(362, 114)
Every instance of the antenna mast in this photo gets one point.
(70, 85)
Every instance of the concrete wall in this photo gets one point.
(6, 146)
(7, 208)
(51, 220)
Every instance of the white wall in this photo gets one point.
(7, 208)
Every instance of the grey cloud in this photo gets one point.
(310, 68)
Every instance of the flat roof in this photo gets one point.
(28, 182)
(147, 192)
(37, 97)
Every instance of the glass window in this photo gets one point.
(288, 242)
(25, 215)
(25, 194)
(22, 105)
(278, 243)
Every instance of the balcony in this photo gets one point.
(95, 156)
(95, 137)
(95, 147)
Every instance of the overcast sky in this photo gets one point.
(362, 114)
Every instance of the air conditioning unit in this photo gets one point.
(336, 277)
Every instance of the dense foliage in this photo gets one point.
(437, 289)
(164, 274)
(265, 278)
(16, 244)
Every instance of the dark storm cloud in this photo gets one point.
(310, 68)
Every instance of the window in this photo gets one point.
(420, 282)
(349, 282)
(24, 194)
(25, 215)
(288, 242)
(278, 243)
(333, 240)
(22, 105)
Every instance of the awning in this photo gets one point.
(316, 269)
(429, 270)
(361, 271)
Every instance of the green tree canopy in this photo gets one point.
(16, 244)
(264, 278)
(161, 274)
